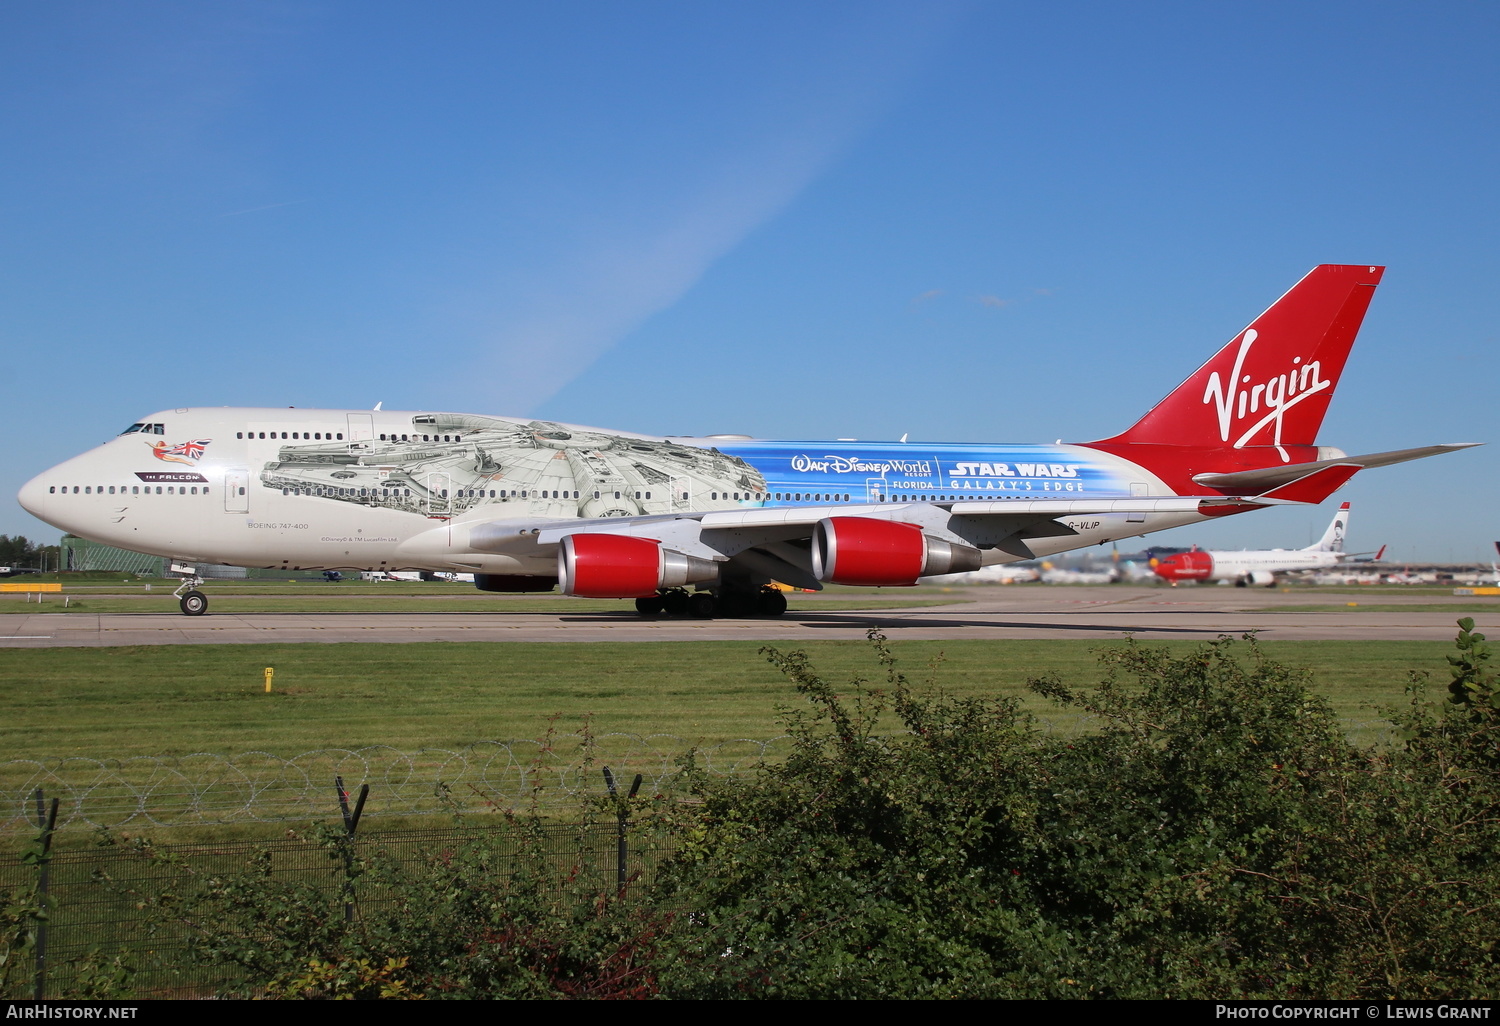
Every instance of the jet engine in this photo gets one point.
(862, 550)
(619, 566)
(1257, 579)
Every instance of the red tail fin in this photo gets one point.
(1271, 384)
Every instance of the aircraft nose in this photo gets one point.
(33, 498)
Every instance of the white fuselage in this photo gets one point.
(392, 490)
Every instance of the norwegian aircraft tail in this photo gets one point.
(1333, 538)
(1271, 384)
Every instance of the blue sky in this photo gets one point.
(957, 221)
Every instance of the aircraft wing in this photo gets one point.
(806, 516)
(776, 542)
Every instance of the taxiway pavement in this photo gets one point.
(981, 612)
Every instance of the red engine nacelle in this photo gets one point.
(1185, 566)
(862, 550)
(619, 566)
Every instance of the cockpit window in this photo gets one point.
(132, 429)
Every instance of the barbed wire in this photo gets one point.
(258, 786)
(204, 788)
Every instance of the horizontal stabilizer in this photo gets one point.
(1313, 488)
(1273, 477)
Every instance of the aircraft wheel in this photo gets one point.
(194, 603)
(676, 602)
(770, 603)
(650, 606)
(735, 604)
(702, 606)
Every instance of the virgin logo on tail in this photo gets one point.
(1244, 399)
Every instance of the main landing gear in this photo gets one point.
(192, 601)
(734, 603)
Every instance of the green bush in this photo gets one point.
(462, 922)
(1215, 836)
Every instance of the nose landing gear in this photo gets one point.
(192, 601)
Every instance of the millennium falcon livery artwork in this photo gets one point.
(450, 464)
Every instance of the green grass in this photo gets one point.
(112, 704)
(153, 700)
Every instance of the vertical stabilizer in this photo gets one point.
(1271, 384)
(1333, 538)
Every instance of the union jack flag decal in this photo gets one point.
(185, 452)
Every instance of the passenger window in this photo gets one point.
(341, 435)
(52, 490)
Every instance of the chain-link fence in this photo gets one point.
(201, 789)
(104, 907)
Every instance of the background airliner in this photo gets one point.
(529, 505)
(1257, 566)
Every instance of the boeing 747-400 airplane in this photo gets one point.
(528, 505)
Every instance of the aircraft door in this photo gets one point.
(361, 427)
(682, 489)
(236, 491)
(1138, 490)
(439, 488)
(875, 489)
